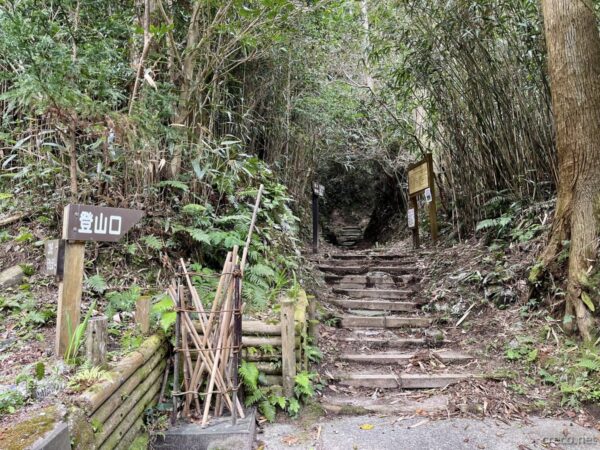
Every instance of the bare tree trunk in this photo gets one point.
(73, 160)
(364, 10)
(573, 45)
(146, 48)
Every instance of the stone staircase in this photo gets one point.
(349, 236)
(384, 344)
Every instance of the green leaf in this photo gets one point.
(194, 209)
(199, 235)
(164, 304)
(96, 283)
(532, 355)
(167, 320)
(293, 406)
(153, 242)
(174, 184)
(588, 301)
(40, 370)
(267, 410)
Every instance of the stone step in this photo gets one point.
(392, 342)
(374, 293)
(402, 381)
(363, 256)
(381, 305)
(369, 279)
(349, 321)
(388, 405)
(380, 343)
(446, 356)
(345, 285)
(361, 270)
(367, 263)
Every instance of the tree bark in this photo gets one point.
(573, 44)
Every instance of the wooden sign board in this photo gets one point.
(418, 178)
(421, 182)
(84, 223)
(55, 257)
(98, 223)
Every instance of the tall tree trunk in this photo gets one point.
(185, 94)
(573, 44)
(364, 11)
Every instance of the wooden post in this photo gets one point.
(142, 313)
(237, 336)
(95, 343)
(415, 231)
(432, 207)
(176, 358)
(288, 351)
(313, 323)
(315, 214)
(69, 292)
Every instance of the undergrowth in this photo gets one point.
(270, 398)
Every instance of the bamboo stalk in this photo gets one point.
(207, 356)
(177, 299)
(251, 229)
(225, 275)
(215, 368)
(187, 363)
(200, 365)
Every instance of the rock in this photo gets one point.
(408, 279)
(11, 276)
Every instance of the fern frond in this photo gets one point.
(153, 242)
(174, 184)
(96, 283)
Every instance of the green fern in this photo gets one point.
(164, 309)
(261, 270)
(199, 235)
(252, 398)
(96, 283)
(592, 365)
(249, 375)
(193, 209)
(293, 407)
(174, 184)
(153, 242)
(267, 409)
(303, 386)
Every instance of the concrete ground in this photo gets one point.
(388, 433)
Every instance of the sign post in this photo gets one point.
(421, 181)
(432, 208)
(83, 223)
(318, 190)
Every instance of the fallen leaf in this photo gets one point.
(290, 440)
(367, 426)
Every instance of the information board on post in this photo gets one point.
(421, 182)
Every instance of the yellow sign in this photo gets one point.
(418, 179)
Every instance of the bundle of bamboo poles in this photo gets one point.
(211, 353)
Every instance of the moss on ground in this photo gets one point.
(24, 434)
